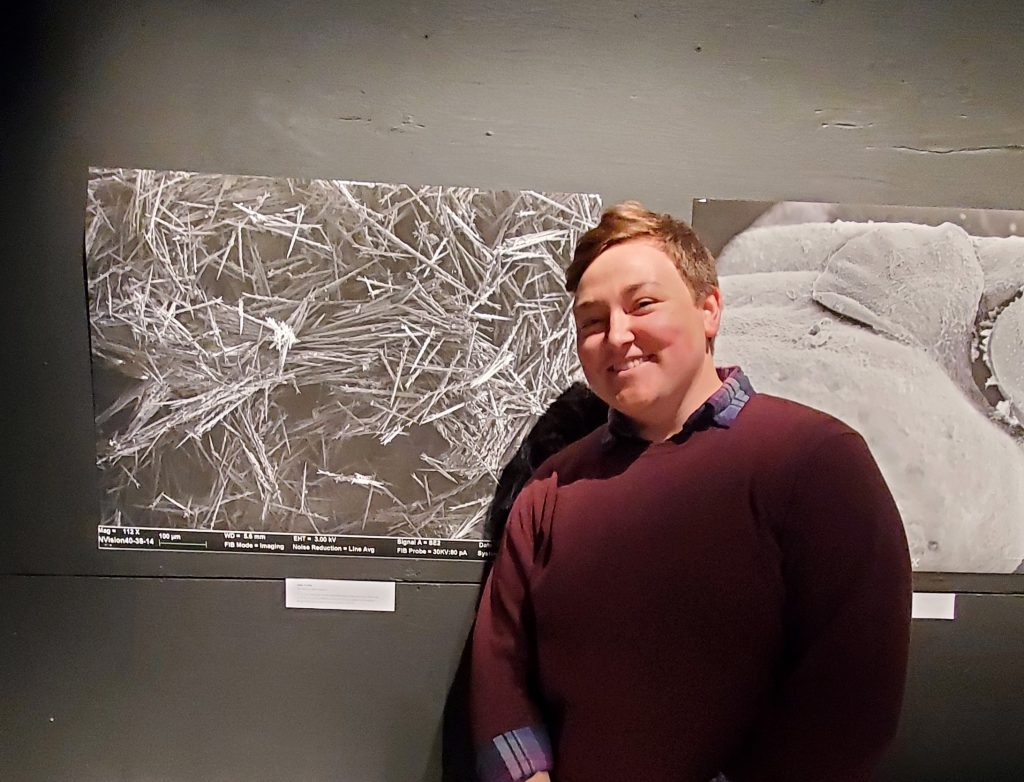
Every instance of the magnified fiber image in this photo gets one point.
(320, 356)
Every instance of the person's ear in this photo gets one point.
(711, 308)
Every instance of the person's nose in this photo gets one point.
(620, 329)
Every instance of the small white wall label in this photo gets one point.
(934, 605)
(336, 595)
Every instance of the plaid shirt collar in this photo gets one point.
(720, 409)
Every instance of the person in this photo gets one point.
(714, 583)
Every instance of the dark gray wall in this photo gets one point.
(214, 679)
(141, 678)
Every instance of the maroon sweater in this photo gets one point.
(736, 599)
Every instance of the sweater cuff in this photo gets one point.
(515, 755)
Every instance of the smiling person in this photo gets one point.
(713, 584)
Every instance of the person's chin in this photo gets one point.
(632, 402)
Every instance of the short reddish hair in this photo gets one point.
(632, 220)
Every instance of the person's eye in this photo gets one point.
(642, 305)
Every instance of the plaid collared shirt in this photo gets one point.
(720, 409)
(517, 755)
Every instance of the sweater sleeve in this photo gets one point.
(510, 735)
(846, 567)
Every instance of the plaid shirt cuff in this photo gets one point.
(515, 756)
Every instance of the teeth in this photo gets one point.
(635, 362)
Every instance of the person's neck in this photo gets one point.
(704, 385)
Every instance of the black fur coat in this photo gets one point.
(576, 412)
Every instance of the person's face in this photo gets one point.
(641, 338)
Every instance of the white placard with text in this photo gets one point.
(337, 595)
(934, 605)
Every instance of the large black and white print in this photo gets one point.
(908, 323)
(320, 356)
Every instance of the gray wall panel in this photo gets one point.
(962, 710)
(175, 679)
